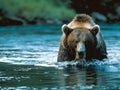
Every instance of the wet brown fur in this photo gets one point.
(85, 22)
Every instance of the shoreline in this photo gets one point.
(6, 21)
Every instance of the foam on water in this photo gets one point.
(34, 56)
(109, 65)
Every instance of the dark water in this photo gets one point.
(28, 61)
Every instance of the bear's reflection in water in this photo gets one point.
(91, 77)
(80, 77)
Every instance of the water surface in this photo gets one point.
(28, 61)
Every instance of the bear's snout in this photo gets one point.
(81, 47)
(81, 51)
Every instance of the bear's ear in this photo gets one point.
(95, 29)
(66, 29)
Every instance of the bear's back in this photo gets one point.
(81, 21)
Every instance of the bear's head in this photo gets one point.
(80, 43)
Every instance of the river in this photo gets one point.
(28, 61)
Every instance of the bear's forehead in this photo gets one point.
(79, 33)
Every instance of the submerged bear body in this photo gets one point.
(81, 39)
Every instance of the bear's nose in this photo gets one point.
(81, 54)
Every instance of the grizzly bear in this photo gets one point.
(81, 40)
